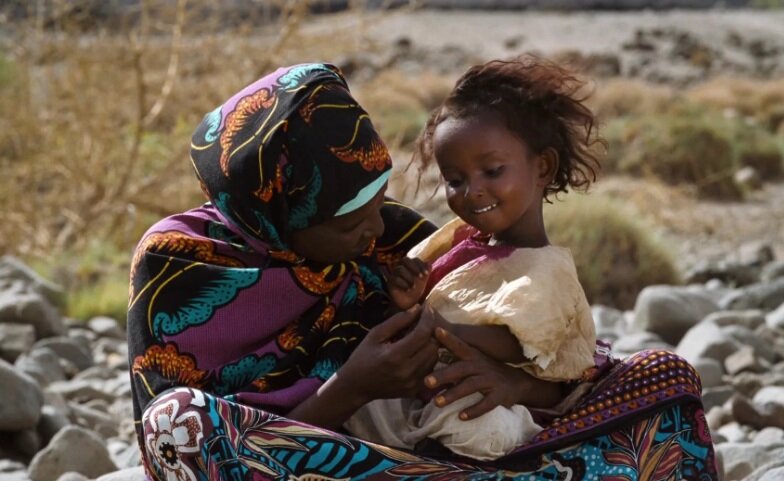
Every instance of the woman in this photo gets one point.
(269, 301)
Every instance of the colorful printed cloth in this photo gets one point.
(218, 301)
(644, 421)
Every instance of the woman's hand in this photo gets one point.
(501, 385)
(386, 365)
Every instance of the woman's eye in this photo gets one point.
(495, 171)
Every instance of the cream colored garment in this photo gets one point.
(536, 294)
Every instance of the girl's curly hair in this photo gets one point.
(540, 102)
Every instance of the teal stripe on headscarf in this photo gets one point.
(364, 195)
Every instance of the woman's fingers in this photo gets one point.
(486, 405)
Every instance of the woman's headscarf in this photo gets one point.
(218, 300)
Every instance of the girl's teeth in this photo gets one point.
(485, 209)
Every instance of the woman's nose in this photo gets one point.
(375, 226)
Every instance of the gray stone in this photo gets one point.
(43, 364)
(26, 442)
(129, 474)
(716, 396)
(751, 319)
(710, 371)
(744, 359)
(638, 341)
(14, 476)
(773, 270)
(707, 340)
(100, 422)
(740, 459)
(58, 458)
(733, 432)
(81, 390)
(769, 435)
(717, 417)
(52, 421)
(21, 399)
(775, 318)
(748, 178)
(773, 473)
(72, 476)
(727, 272)
(8, 466)
(68, 349)
(766, 296)
(12, 268)
(747, 337)
(671, 311)
(15, 339)
(20, 305)
(106, 327)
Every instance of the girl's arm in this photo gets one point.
(494, 341)
(500, 384)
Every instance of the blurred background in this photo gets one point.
(99, 99)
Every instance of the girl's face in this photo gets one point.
(341, 238)
(493, 181)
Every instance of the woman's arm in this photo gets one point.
(500, 384)
(378, 368)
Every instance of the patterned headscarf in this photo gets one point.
(218, 300)
(287, 152)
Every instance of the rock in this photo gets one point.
(81, 390)
(21, 399)
(15, 339)
(671, 311)
(716, 396)
(26, 442)
(727, 272)
(772, 474)
(765, 295)
(748, 178)
(52, 421)
(710, 371)
(68, 349)
(744, 359)
(756, 253)
(772, 271)
(746, 337)
(14, 476)
(58, 458)
(20, 305)
(43, 364)
(12, 268)
(706, 340)
(94, 420)
(775, 319)
(769, 435)
(740, 459)
(130, 474)
(734, 432)
(106, 327)
(717, 417)
(8, 466)
(750, 319)
(638, 341)
(72, 476)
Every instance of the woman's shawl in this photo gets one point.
(217, 299)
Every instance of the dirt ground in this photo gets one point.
(696, 230)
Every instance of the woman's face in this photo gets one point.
(341, 238)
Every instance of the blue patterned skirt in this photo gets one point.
(643, 421)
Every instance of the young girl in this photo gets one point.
(510, 135)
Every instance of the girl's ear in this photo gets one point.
(547, 162)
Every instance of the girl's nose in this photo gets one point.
(473, 189)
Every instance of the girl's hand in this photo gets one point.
(501, 385)
(407, 282)
(381, 368)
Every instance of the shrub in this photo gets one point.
(624, 97)
(616, 255)
(680, 147)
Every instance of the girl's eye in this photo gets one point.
(453, 183)
(494, 172)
